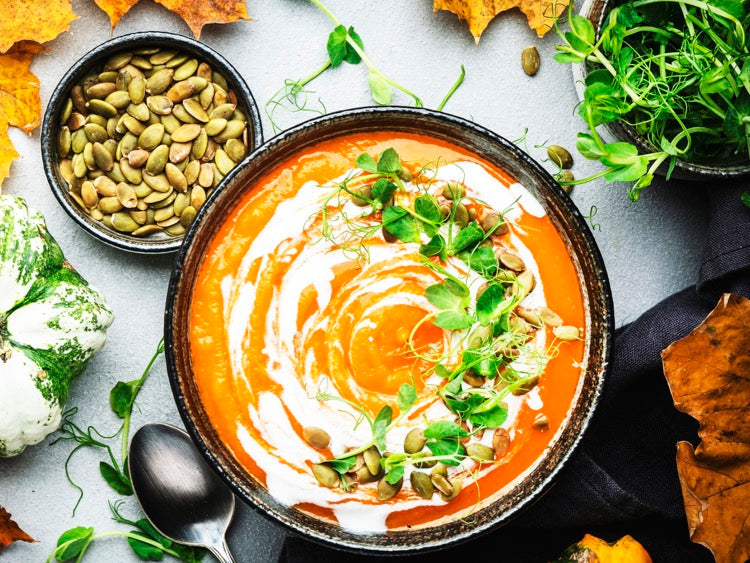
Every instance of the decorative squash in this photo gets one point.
(51, 324)
(594, 550)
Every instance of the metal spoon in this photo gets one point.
(179, 493)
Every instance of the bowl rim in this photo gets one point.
(353, 542)
(77, 71)
(596, 12)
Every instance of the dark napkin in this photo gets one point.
(622, 479)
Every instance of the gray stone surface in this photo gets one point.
(651, 248)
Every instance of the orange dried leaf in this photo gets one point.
(9, 531)
(708, 373)
(19, 87)
(115, 9)
(33, 20)
(198, 13)
(7, 152)
(478, 14)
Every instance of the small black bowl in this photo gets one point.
(93, 61)
(567, 220)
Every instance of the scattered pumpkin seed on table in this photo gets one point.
(144, 142)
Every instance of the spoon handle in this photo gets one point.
(222, 553)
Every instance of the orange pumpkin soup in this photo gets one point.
(387, 331)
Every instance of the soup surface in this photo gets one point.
(387, 331)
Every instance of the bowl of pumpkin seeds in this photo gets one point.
(140, 132)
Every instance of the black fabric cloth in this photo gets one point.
(622, 479)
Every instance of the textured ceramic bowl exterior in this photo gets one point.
(93, 61)
(596, 11)
(498, 151)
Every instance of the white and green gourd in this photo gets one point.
(52, 322)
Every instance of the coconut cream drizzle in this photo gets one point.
(279, 451)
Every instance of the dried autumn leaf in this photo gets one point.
(708, 373)
(19, 99)
(115, 9)
(478, 14)
(33, 20)
(196, 13)
(9, 531)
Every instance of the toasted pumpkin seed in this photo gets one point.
(64, 141)
(137, 158)
(414, 441)
(206, 175)
(132, 124)
(223, 111)
(204, 71)
(67, 110)
(461, 215)
(186, 133)
(118, 60)
(200, 144)
(316, 437)
(102, 157)
(101, 90)
(157, 160)
(530, 60)
(197, 197)
(159, 81)
(105, 186)
(387, 490)
(191, 171)
(110, 204)
(147, 230)
(180, 91)
(454, 191)
(175, 177)
(176, 230)
(118, 99)
(176, 61)
(235, 149)
(224, 163)
(455, 489)
(480, 452)
(325, 475)
(473, 378)
(441, 483)
(88, 194)
(206, 97)
(422, 484)
(194, 108)
(157, 196)
(372, 460)
(187, 216)
(567, 333)
(95, 133)
(186, 69)
(560, 156)
(500, 442)
(126, 195)
(100, 107)
(549, 317)
(233, 130)
(151, 136)
(158, 182)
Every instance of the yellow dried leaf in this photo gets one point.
(19, 99)
(115, 9)
(478, 14)
(196, 13)
(33, 20)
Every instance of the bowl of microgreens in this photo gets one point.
(669, 80)
(332, 496)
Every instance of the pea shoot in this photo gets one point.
(677, 72)
(344, 45)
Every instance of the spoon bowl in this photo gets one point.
(180, 494)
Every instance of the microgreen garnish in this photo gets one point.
(343, 45)
(677, 71)
(145, 541)
(745, 197)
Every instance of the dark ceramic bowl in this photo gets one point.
(496, 150)
(93, 61)
(596, 11)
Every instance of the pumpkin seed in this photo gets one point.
(158, 182)
(206, 175)
(206, 97)
(220, 80)
(160, 105)
(530, 60)
(511, 261)
(96, 215)
(563, 178)
(456, 488)
(197, 197)
(161, 57)
(118, 60)
(126, 195)
(176, 177)
(124, 222)
(137, 158)
(549, 317)
(179, 152)
(163, 214)
(110, 204)
(102, 157)
(191, 171)
(169, 222)
(461, 215)
(100, 107)
(78, 99)
(132, 124)
(199, 84)
(526, 281)
(147, 230)
(441, 483)
(372, 460)
(194, 108)
(541, 422)
(223, 111)
(235, 149)
(220, 96)
(159, 81)
(64, 141)
(224, 163)
(500, 442)
(151, 136)
(387, 490)
(95, 133)
(101, 90)
(67, 111)
(157, 196)
(66, 170)
(76, 121)
(480, 452)
(567, 333)
(168, 201)
(325, 475)
(157, 160)
(200, 145)
(204, 71)
(187, 216)
(118, 99)
(208, 154)
(177, 60)
(186, 69)
(186, 133)
(176, 230)
(88, 194)
(454, 191)
(75, 197)
(316, 437)
(180, 91)
(531, 317)
(414, 441)
(422, 484)
(560, 156)
(123, 78)
(88, 156)
(180, 203)
(105, 186)
(139, 216)
(233, 130)
(170, 122)
(473, 379)
(141, 63)
(142, 190)
(139, 111)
